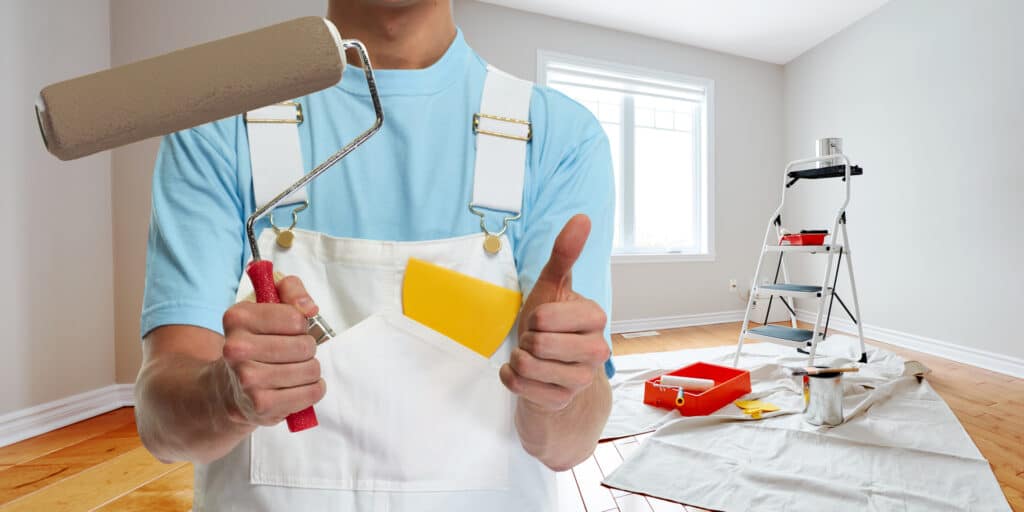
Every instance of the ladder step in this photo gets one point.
(790, 290)
(778, 332)
(802, 248)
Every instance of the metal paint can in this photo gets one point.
(825, 147)
(823, 399)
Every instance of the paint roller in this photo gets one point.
(684, 384)
(201, 84)
(189, 87)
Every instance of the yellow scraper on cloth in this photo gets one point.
(754, 408)
(471, 311)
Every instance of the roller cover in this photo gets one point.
(688, 383)
(189, 87)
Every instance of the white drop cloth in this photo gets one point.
(901, 449)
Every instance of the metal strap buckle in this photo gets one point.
(492, 241)
(277, 120)
(513, 136)
(483, 221)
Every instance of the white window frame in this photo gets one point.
(706, 155)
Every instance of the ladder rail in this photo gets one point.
(859, 320)
(753, 286)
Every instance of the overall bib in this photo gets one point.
(412, 420)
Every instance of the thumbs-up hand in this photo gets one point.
(561, 333)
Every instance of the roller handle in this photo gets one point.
(261, 273)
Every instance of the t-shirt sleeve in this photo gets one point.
(196, 231)
(580, 179)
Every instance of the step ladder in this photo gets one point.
(824, 294)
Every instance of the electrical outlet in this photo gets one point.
(732, 286)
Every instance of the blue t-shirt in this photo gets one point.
(412, 181)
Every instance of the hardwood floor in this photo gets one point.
(100, 464)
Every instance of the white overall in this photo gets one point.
(412, 420)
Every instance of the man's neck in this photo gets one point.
(410, 37)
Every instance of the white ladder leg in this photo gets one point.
(750, 306)
(821, 307)
(853, 288)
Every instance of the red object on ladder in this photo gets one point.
(803, 239)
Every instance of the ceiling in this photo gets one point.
(770, 30)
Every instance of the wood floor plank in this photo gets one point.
(40, 445)
(596, 497)
(607, 457)
(569, 498)
(96, 486)
(1015, 497)
(25, 478)
(658, 505)
(633, 503)
(171, 492)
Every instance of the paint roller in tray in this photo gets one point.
(201, 84)
(691, 384)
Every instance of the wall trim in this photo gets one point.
(672, 322)
(29, 422)
(993, 361)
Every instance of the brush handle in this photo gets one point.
(819, 371)
(261, 273)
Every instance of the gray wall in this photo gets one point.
(141, 29)
(56, 308)
(929, 97)
(748, 147)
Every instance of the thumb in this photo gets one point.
(565, 252)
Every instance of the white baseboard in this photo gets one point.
(672, 322)
(981, 358)
(25, 423)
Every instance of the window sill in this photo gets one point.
(661, 257)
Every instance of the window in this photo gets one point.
(659, 126)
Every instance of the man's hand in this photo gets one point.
(272, 357)
(561, 333)
(199, 394)
(558, 368)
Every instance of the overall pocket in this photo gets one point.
(407, 409)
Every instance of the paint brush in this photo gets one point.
(811, 370)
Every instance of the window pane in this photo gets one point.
(664, 190)
(663, 119)
(684, 121)
(644, 116)
(658, 188)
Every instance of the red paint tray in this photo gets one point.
(730, 384)
(803, 239)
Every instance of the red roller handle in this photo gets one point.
(261, 273)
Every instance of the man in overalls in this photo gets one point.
(435, 206)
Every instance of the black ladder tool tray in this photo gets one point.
(832, 171)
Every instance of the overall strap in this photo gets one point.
(502, 129)
(274, 151)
